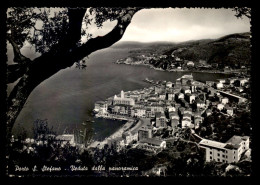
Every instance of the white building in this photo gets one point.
(228, 152)
(123, 100)
(169, 84)
(220, 106)
(66, 138)
(171, 109)
(101, 107)
(219, 85)
(224, 100)
(186, 123)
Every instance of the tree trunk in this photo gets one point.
(60, 57)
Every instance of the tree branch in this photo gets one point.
(107, 40)
(18, 57)
(50, 63)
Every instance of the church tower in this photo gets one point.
(122, 94)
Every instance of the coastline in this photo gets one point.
(182, 70)
(116, 134)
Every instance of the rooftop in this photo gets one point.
(237, 139)
(211, 143)
(65, 137)
(152, 141)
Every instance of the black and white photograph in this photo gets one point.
(128, 92)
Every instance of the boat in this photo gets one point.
(83, 123)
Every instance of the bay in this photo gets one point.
(67, 98)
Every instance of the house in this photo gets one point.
(180, 96)
(224, 100)
(169, 84)
(100, 107)
(117, 142)
(208, 112)
(160, 119)
(174, 123)
(197, 122)
(129, 137)
(243, 81)
(190, 64)
(231, 80)
(140, 112)
(228, 152)
(181, 110)
(145, 132)
(173, 115)
(186, 123)
(171, 109)
(162, 96)
(220, 106)
(186, 116)
(170, 96)
(222, 81)
(152, 144)
(199, 103)
(219, 85)
(229, 110)
(210, 83)
(66, 138)
(191, 98)
(188, 111)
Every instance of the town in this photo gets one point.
(162, 112)
(172, 62)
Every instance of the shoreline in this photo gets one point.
(117, 133)
(181, 70)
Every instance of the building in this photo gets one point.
(224, 100)
(220, 106)
(140, 112)
(145, 132)
(191, 98)
(208, 112)
(66, 138)
(152, 144)
(129, 137)
(186, 79)
(186, 123)
(123, 100)
(229, 110)
(190, 64)
(160, 119)
(228, 152)
(171, 109)
(186, 116)
(219, 85)
(173, 115)
(180, 96)
(169, 84)
(117, 142)
(200, 104)
(170, 96)
(100, 107)
(197, 122)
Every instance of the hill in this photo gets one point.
(233, 49)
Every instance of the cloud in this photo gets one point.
(182, 24)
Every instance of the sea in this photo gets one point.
(67, 98)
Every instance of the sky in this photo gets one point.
(179, 24)
(169, 24)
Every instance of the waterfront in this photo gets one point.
(67, 98)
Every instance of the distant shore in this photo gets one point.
(181, 70)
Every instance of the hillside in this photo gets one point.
(229, 50)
